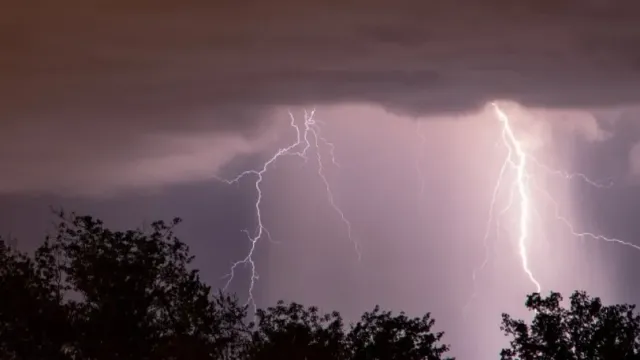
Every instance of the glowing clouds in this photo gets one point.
(113, 159)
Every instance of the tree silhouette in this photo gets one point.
(295, 332)
(587, 330)
(33, 324)
(381, 335)
(92, 293)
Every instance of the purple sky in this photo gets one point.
(129, 113)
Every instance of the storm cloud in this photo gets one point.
(104, 76)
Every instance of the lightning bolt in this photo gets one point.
(521, 192)
(517, 158)
(308, 139)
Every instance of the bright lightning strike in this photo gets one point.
(521, 192)
(308, 139)
(517, 158)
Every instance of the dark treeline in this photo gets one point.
(92, 293)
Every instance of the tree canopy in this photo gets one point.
(586, 330)
(92, 293)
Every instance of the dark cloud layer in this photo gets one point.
(86, 82)
(160, 61)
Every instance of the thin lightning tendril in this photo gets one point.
(487, 232)
(574, 232)
(309, 138)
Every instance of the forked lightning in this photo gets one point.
(522, 190)
(308, 139)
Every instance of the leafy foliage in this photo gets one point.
(33, 324)
(295, 332)
(381, 335)
(92, 293)
(587, 330)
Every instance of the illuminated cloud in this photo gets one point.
(107, 161)
(135, 68)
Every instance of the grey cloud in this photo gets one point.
(141, 57)
(102, 76)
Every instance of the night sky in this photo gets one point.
(133, 111)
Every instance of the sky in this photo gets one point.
(134, 112)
